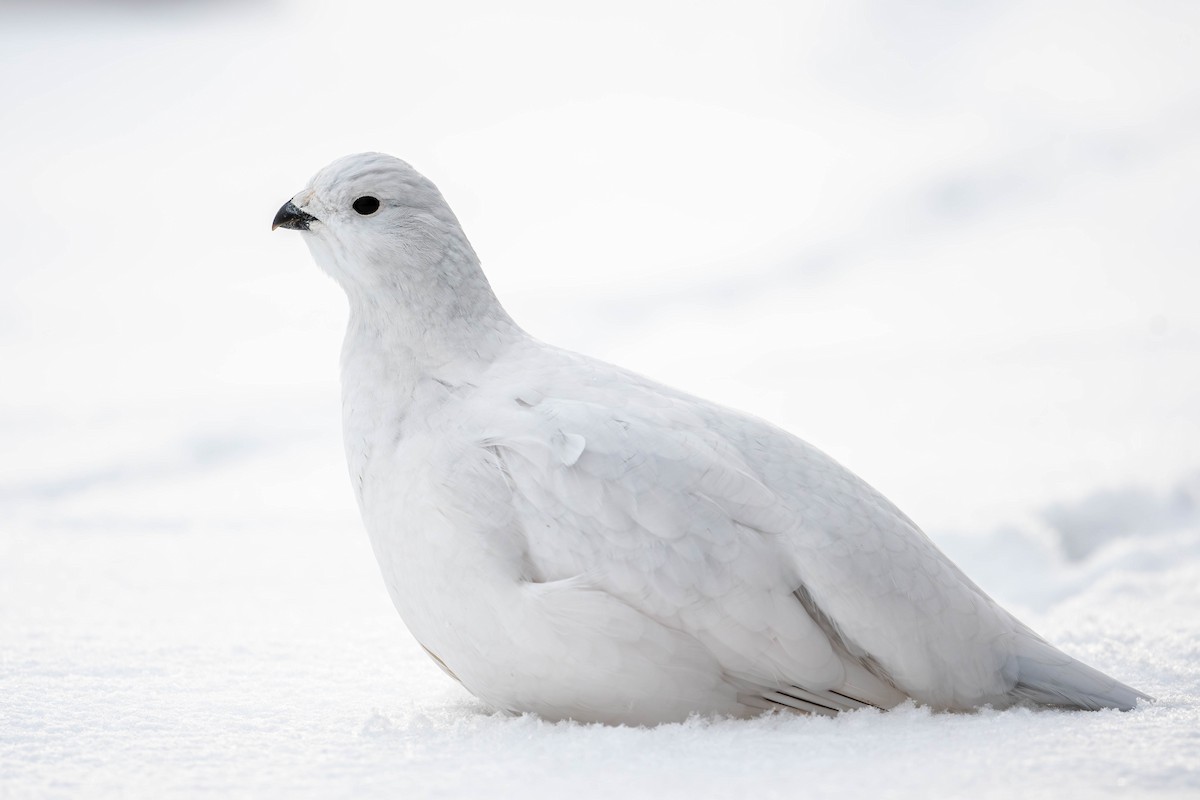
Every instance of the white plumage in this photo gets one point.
(568, 538)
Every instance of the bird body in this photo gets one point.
(568, 538)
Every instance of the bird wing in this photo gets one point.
(876, 583)
(791, 571)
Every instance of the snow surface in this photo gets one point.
(974, 222)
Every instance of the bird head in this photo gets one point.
(371, 221)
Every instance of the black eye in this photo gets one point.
(366, 205)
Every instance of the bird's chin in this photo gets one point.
(323, 255)
(319, 248)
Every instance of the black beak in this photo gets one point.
(291, 217)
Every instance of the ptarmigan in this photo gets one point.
(567, 538)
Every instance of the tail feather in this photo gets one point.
(1050, 677)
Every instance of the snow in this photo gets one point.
(264, 660)
(986, 210)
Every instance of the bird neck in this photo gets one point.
(398, 345)
(438, 320)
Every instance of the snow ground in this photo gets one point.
(953, 247)
(256, 654)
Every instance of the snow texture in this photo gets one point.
(263, 659)
(988, 210)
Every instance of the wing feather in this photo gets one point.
(788, 568)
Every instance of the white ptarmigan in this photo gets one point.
(568, 538)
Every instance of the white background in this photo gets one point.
(953, 245)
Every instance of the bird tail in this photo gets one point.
(1049, 677)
